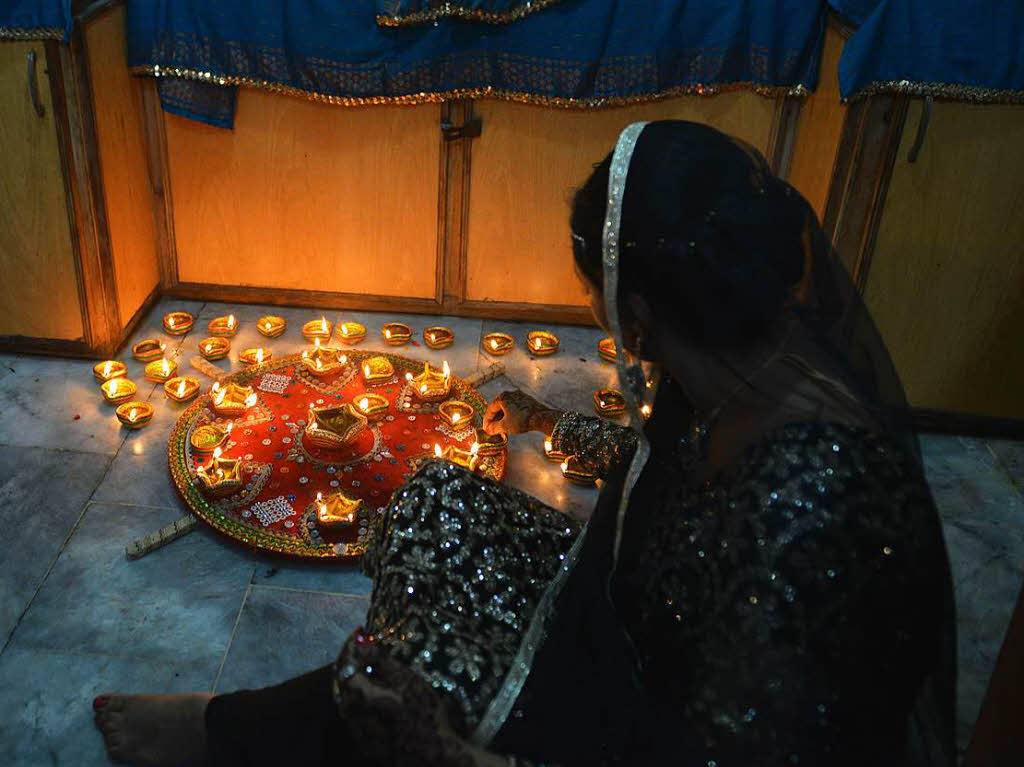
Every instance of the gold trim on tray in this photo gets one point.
(396, 333)
(223, 326)
(271, 325)
(541, 343)
(438, 337)
(104, 371)
(182, 388)
(497, 343)
(135, 414)
(214, 348)
(161, 370)
(118, 390)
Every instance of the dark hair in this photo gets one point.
(710, 238)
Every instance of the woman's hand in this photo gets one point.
(513, 412)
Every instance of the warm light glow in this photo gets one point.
(423, 388)
(408, 376)
(316, 343)
(494, 343)
(536, 343)
(344, 328)
(305, 355)
(447, 370)
(106, 369)
(259, 356)
(219, 396)
(437, 450)
(456, 417)
(387, 333)
(181, 388)
(547, 445)
(231, 320)
(163, 346)
(364, 403)
(216, 385)
(323, 323)
(565, 466)
(209, 348)
(366, 370)
(165, 368)
(474, 448)
(343, 359)
(650, 384)
(602, 403)
(250, 400)
(170, 322)
(131, 415)
(319, 364)
(231, 425)
(216, 452)
(646, 410)
(266, 326)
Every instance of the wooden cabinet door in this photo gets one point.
(39, 291)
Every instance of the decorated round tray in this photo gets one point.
(282, 471)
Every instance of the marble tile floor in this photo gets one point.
(77, 618)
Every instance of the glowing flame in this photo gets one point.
(266, 326)
(447, 370)
(646, 410)
(181, 388)
(163, 346)
(343, 359)
(536, 343)
(565, 465)
(316, 343)
(387, 333)
(250, 400)
(219, 396)
(547, 446)
(170, 322)
(231, 321)
(231, 425)
(602, 403)
(305, 355)
(165, 368)
(437, 450)
(433, 338)
(364, 403)
(259, 356)
(323, 323)
(456, 417)
(216, 385)
(344, 328)
(209, 347)
(131, 415)
(474, 448)
(408, 376)
(106, 368)
(423, 388)
(366, 370)
(319, 365)
(216, 453)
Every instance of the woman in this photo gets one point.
(763, 580)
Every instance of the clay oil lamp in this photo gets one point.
(209, 437)
(317, 329)
(148, 350)
(431, 385)
(181, 389)
(351, 332)
(232, 400)
(541, 343)
(373, 406)
(118, 390)
(135, 414)
(551, 454)
(377, 369)
(575, 473)
(178, 323)
(438, 337)
(323, 360)
(161, 370)
(606, 350)
(396, 333)
(455, 412)
(221, 476)
(104, 371)
(255, 356)
(271, 325)
(497, 343)
(222, 326)
(336, 511)
(609, 402)
(467, 459)
(491, 444)
(334, 427)
(214, 348)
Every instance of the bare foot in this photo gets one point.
(154, 730)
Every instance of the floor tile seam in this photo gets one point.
(29, 646)
(1002, 466)
(137, 505)
(59, 449)
(310, 591)
(231, 639)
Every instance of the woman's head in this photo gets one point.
(711, 242)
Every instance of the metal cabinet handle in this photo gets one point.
(33, 86)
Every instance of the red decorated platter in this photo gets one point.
(275, 509)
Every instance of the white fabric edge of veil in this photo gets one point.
(501, 704)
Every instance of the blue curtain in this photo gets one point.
(35, 19)
(574, 52)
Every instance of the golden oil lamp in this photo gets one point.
(373, 406)
(104, 371)
(221, 476)
(334, 426)
(209, 437)
(606, 350)
(491, 444)
(148, 350)
(256, 356)
(609, 402)
(351, 332)
(396, 333)
(135, 414)
(540, 343)
(232, 400)
(118, 390)
(336, 510)
(178, 323)
(215, 348)
(271, 325)
(438, 337)
(456, 412)
(181, 389)
(431, 385)
(323, 360)
(573, 471)
(497, 343)
(317, 329)
(161, 370)
(467, 459)
(550, 453)
(222, 326)
(377, 369)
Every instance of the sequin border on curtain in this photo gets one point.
(449, 10)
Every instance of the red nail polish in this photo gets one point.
(98, 703)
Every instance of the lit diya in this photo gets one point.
(376, 369)
(351, 332)
(396, 333)
(256, 356)
(323, 360)
(606, 350)
(336, 510)
(148, 350)
(491, 444)
(104, 371)
(181, 389)
(222, 326)
(221, 476)
(373, 406)
(541, 343)
(573, 471)
(134, 414)
(456, 412)
(467, 459)
(118, 390)
(209, 437)
(232, 400)
(178, 323)
(271, 325)
(609, 402)
(551, 454)
(497, 343)
(317, 329)
(334, 427)
(161, 370)
(431, 385)
(438, 337)
(215, 348)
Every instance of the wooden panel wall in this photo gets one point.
(39, 294)
(946, 284)
(304, 195)
(819, 128)
(122, 148)
(525, 167)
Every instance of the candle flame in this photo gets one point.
(250, 400)
(423, 388)
(494, 343)
(364, 403)
(231, 320)
(602, 403)
(305, 355)
(131, 415)
(344, 328)
(456, 417)
(323, 323)
(433, 338)
(231, 425)
(536, 343)
(565, 465)
(220, 396)
(447, 370)
(343, 359)
(316, 343)
(163, 346)
(646, 410)
(408, 376)
(387, 332)
(216, 384)
(437, 450)
(165, 368)
(216, 453)
(266, 326)
(547, 446)
(259, 356)
(366, 370)
(106, 368)
(181, 388)
(319, 365)
(474, 448)
(170, 322)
